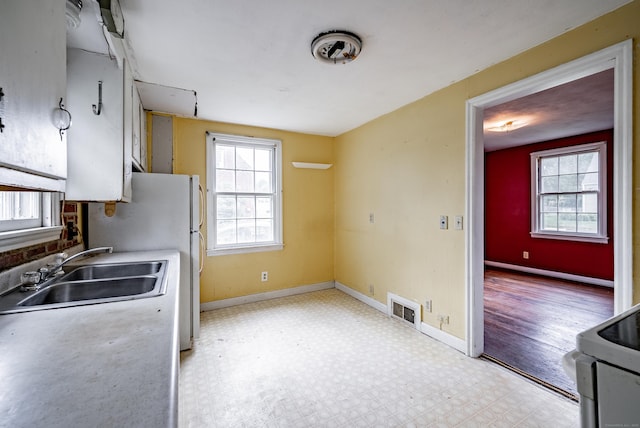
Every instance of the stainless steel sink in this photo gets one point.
(116, 270)
(91, 284)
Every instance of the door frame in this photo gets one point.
(619, 57)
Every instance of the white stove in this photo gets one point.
(607, 372)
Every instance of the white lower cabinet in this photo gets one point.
(99, 148)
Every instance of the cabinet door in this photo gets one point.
(143, 138)
(136, 143)
(33, 80)
(96, 142)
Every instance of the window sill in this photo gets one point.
(564, 237)
(26, 237)
(244, 250)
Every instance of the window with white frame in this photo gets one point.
(28, 218)
(244, 202)
(569, 193)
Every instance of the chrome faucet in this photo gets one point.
(48, 271)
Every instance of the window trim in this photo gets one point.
(277, 243)
(599, 237)
(49, 231)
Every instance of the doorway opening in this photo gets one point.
(618, 58)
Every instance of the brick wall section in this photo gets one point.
(19, 256)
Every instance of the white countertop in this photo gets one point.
(103, 365)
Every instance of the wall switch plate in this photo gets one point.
(264, 277)
(458, 222)
(444, 222)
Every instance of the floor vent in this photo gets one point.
(403, 309)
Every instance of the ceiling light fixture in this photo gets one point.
(511, 125)
(336, 47)
(73, 13)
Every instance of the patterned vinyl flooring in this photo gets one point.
(325, 359)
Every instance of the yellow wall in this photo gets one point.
(308, 214)
(408, 167)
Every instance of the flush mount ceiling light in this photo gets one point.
(73, 13)
(336, 47)
(508, 126)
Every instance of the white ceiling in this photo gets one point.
(579, 107)
(250, 61)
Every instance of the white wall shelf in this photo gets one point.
(309, 165)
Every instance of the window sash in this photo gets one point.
(568, 190)
(20, 210)
(245, 212)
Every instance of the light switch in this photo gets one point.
(458, 222)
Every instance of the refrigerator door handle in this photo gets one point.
(201, 192)
(202, 251)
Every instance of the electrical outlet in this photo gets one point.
(444, 222)
(427, 305)
(265, 276)
(525, 255)
(371, 289)
(443, 319)
(372, 218)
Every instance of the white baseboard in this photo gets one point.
(552, 274)
(234, 301)
(439, 335)
(363, 298)
(444, 337)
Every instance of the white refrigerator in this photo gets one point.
(164, 213)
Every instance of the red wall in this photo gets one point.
(508, 218)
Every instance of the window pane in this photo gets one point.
(549, 221)
(588, 162)
(225, 180)
(588, 181)
(549, 184)
(587, 203)
(550, 203)
(263, 182)
(246, 231)
(246, 207)
(568, 164)
(19, 205)
(263, 207)
(244, 158)
(263, 160)
(588, 223)
(567, 222)
(226, 232)
(548, 166)
(567, 203)
(568, 183)
(264, 230)
(244, 181)
(226, 207)
(225, 157)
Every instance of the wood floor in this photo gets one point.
(532, 321)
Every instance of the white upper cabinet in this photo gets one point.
(99, 144)
(33, 81)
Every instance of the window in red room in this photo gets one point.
(568, 188)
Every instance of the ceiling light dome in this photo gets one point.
(336, 47)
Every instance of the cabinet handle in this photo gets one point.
(98, 109)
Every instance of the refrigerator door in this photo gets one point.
(158, 217)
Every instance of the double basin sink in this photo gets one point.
(91, 284)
